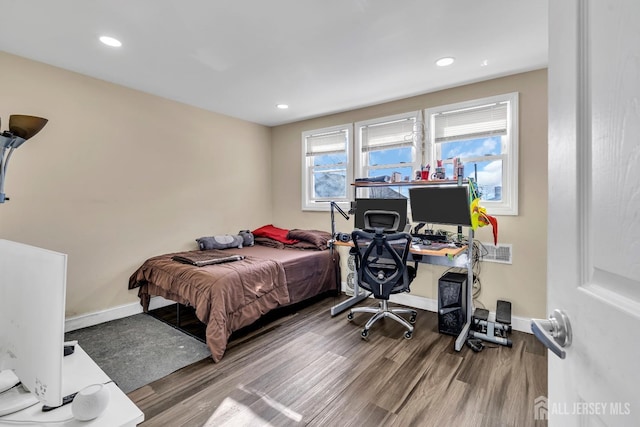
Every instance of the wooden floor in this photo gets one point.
(309, 368)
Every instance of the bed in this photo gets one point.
(231, 295)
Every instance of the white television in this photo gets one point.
(32, 314)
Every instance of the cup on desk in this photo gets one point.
(424, 174)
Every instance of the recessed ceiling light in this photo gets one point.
(443, 62)
(484, 63)
(282, 106)
(110, 41)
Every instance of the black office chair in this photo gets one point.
(381, 265)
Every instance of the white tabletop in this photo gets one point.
(79, 371)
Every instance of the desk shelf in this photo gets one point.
(418, 183)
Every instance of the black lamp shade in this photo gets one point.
(26, 126)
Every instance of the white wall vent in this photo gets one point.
(502, 253)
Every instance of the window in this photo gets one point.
(483, 135)
(386, 146)
(326, 173)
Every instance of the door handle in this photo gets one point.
(554, 333)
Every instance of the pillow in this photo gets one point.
(316, 237)
(275, 233)
(220, 242)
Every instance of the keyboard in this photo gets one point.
(430, 237)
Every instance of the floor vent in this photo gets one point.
(501, 253)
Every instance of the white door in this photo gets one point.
(594, 210)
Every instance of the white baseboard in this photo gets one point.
(414, 301)
(521, 324)
(95, 318)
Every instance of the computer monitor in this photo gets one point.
(440, 205)
(32, 315)
(378, 219)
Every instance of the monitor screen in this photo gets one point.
(32, 316)
(440, 205)
(392, 205)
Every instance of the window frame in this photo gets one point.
(360, 162)
(310, 203)
(509, 153)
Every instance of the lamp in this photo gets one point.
(335, 206)
(21, 128)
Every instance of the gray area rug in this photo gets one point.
(137, 350)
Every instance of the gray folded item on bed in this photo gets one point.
(201, 261)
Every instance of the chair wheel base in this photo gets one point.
(408, 335)
(364, 334)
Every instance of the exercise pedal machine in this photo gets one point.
(495, 332)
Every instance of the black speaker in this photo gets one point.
(452, 303)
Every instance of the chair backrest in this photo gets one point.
(381, 261)
(389, 221)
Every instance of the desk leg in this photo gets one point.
(356, 298)
(462, 338)
(358, 295)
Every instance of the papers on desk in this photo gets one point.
(438, 249)
(436, 246)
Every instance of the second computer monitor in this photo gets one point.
(379, 220)
(440, 205)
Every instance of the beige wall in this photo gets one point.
(118, 176)
(524, 282)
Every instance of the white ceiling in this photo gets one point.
(242, 57)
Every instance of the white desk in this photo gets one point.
(449, 257)
(79, 372)
(456, 257)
